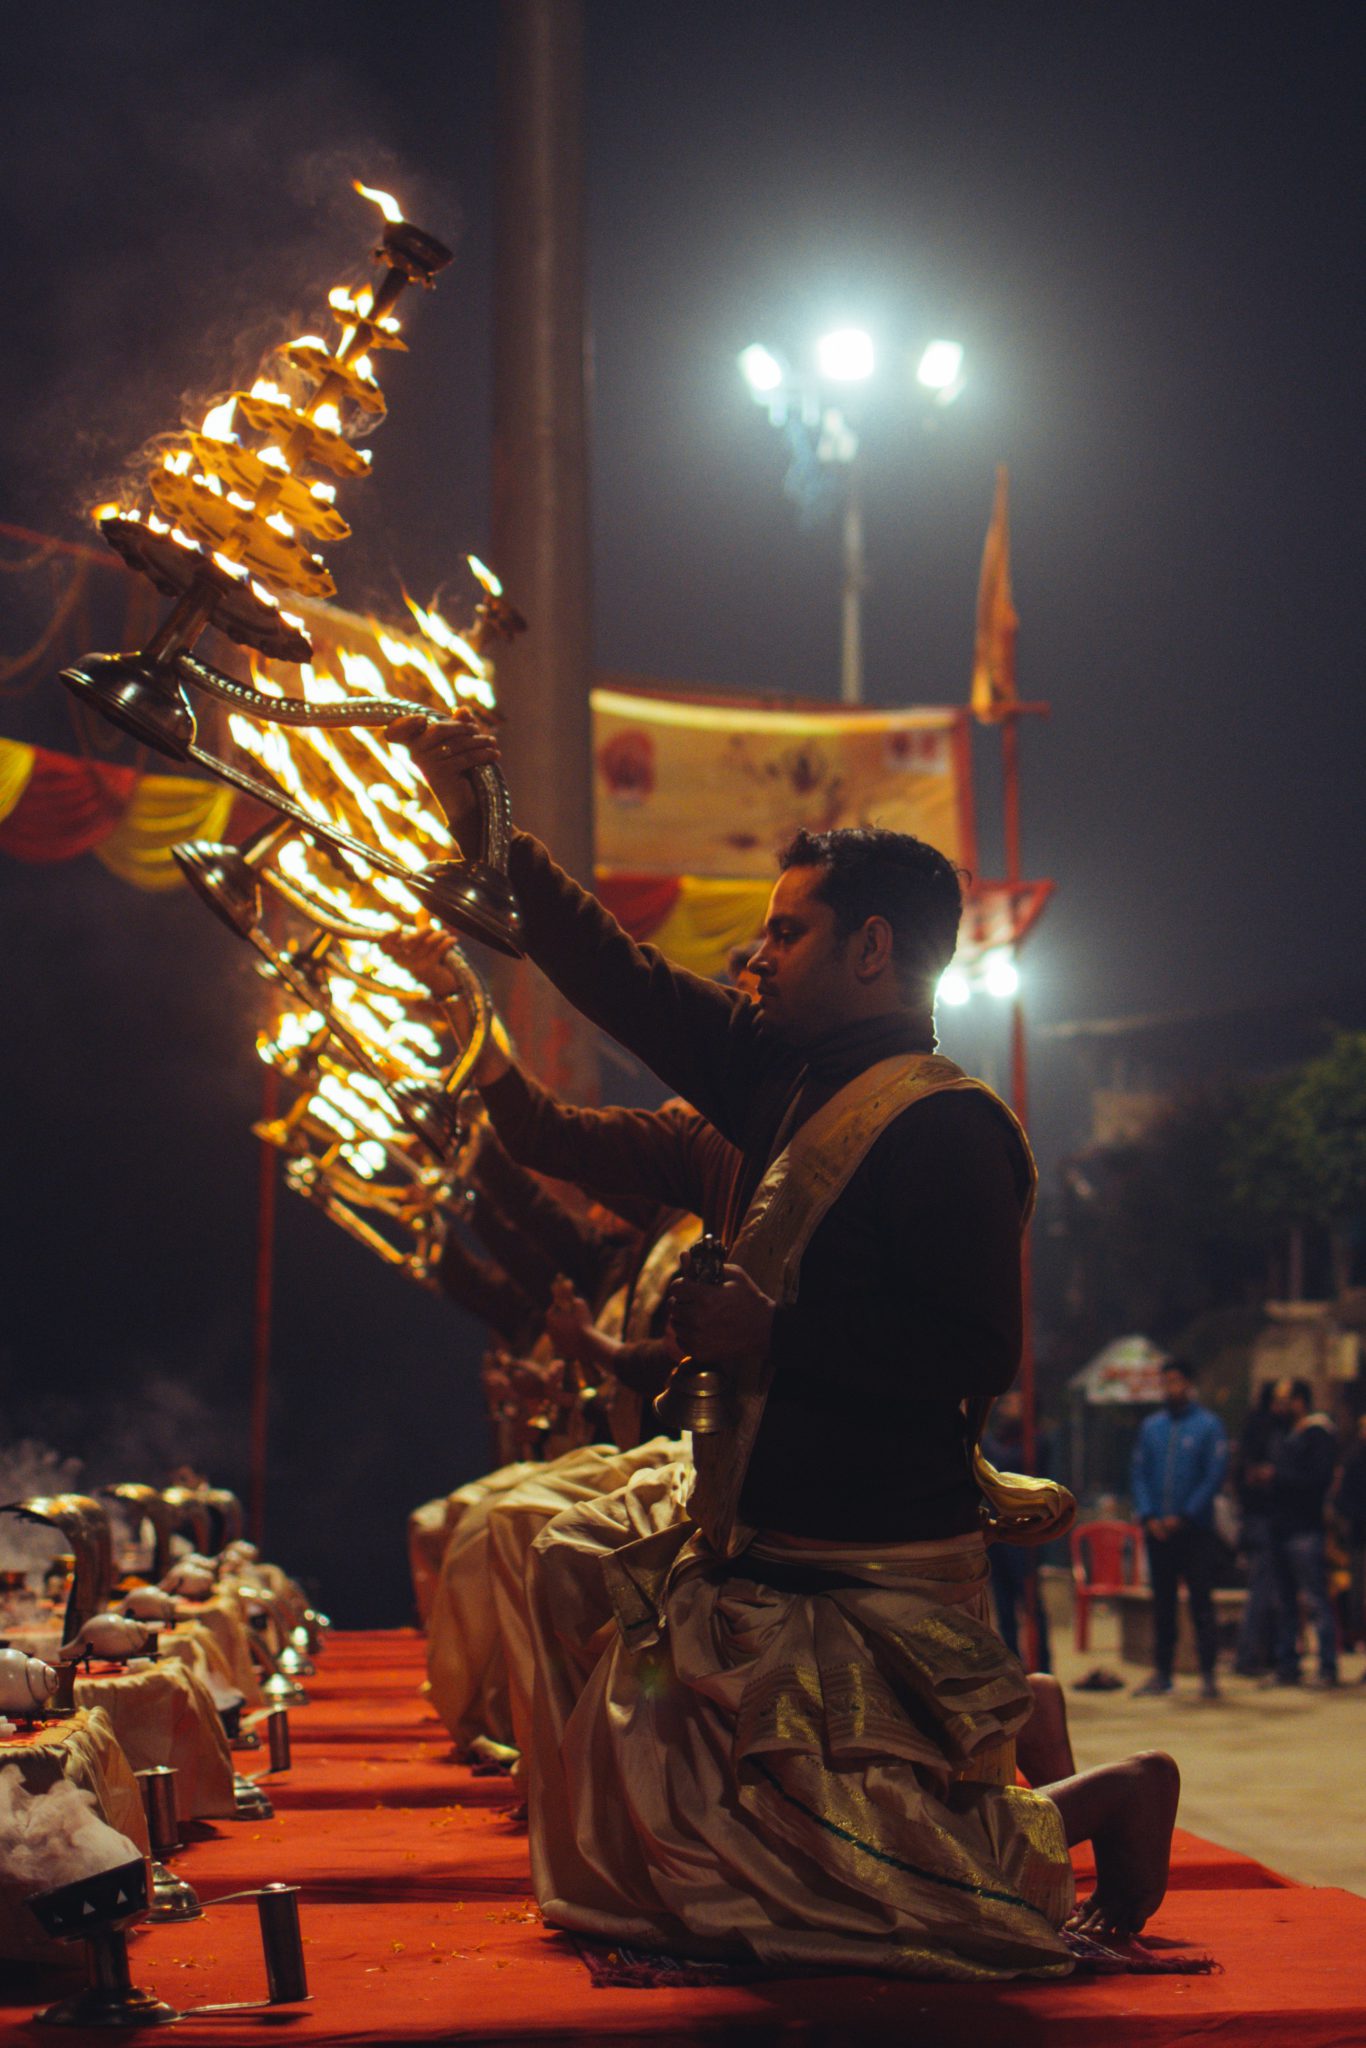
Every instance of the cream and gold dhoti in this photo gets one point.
(803, 1767)
(478, 1651)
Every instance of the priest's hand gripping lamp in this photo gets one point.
(230, 514)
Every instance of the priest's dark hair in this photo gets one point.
(870, 872)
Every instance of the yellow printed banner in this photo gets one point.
(702, 789)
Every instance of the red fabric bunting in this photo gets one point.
(639, 903)
(68, 806)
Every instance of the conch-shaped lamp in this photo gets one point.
(229, 1516)
(193, 1516)
(149, 1504)
(85, 1525)
(26, 1685)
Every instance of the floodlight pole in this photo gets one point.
(1019, 1101)
(855, 583)
(1019, 1070)
(540, 528)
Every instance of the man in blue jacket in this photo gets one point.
(1178, 1466)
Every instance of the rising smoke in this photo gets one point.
(26, 1469)
(56, 1836)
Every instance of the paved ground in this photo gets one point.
(1276, 1774)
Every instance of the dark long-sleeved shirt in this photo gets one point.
(595, 1256)
(651, 1165)
(1305, 1460)
(909, 1292)
(647, 1160)
(485, 1290)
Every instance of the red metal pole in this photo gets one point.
(1019, 1102)
(1010, 796)
(1019, 1076)
(261, 1309)
(1019, 1093)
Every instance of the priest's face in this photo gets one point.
(806, 986)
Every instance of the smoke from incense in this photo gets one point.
(57, 1836)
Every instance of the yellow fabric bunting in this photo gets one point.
(164, 810)
(709, 917)
(16, 766)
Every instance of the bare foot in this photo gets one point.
(1127, 1811)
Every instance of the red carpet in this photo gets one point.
(418, 1926)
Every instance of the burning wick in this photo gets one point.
(386, 203)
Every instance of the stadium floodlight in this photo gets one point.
(940, 370)
(761, 369)
(845, 356)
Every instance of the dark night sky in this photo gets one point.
(1143, 222)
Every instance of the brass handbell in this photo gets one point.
(701, 1405)
(697, 1398)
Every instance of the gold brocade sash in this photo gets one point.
(791, 1201)
(628, 1411)
(657, 1269)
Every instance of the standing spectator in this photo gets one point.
(1178, 1466)
(1254, 1474)
(1350, 1502)
(1304, 1462)
(1014, 1568)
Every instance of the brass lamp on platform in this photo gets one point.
(148, 1504)
(193, 1517)
(85, 1525)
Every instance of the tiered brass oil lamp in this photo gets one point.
(235, 519)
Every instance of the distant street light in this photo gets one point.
(995, 974)
(823, 438)
(1000, 975)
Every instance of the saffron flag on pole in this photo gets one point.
(993, 663)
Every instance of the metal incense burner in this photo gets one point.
(98, 1911)
(172, 1897)
(230, 514)
(249, 1801)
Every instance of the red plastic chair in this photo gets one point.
(1107, 1558)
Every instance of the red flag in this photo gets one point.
(993, 663)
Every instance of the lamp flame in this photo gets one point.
(386, 203)
(218, 420)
